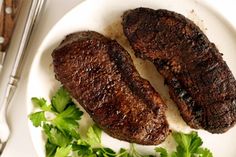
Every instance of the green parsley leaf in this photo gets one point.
(72, 112)
(204, 152)
(63, 151)
(66, 121)
(109, 151)
(37, 118)
(123, 153)
(55, 136)
(173, 154)
(91, 145)
(60, 100)
(99, 152)
(67, 126)
(162, 151)
(94, 136)
(63, 137)
(42, 103)
(104, 152)
(82, 148)
(187, 143)
(50, 149)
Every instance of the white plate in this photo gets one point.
(104, 16)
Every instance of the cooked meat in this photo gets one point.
(198, 78)
(101, 76)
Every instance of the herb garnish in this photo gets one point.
(64, 140)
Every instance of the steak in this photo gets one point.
(101, 76)
(199, 80)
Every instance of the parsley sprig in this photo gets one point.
(64, 140)
(188, 145)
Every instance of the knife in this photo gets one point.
(33, 15)
(9, 11)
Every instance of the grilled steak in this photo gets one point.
(101, 76)
(198, 78)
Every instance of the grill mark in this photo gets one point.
(192, 66)
(115, 96)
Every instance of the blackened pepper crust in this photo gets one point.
(199, 80)
(101, 76)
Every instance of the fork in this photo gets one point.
(4, 129)
(35, 9)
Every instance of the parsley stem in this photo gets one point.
(121, 154)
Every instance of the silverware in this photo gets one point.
(35, 8)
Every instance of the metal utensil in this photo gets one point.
(35, 8)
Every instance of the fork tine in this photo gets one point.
(3, 145)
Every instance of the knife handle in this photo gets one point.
(8, 16)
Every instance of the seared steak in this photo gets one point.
(101, 76)
(198, 78)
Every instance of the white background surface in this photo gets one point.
(20, 141)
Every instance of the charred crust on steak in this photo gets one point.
(101, 76)
(199, 80)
